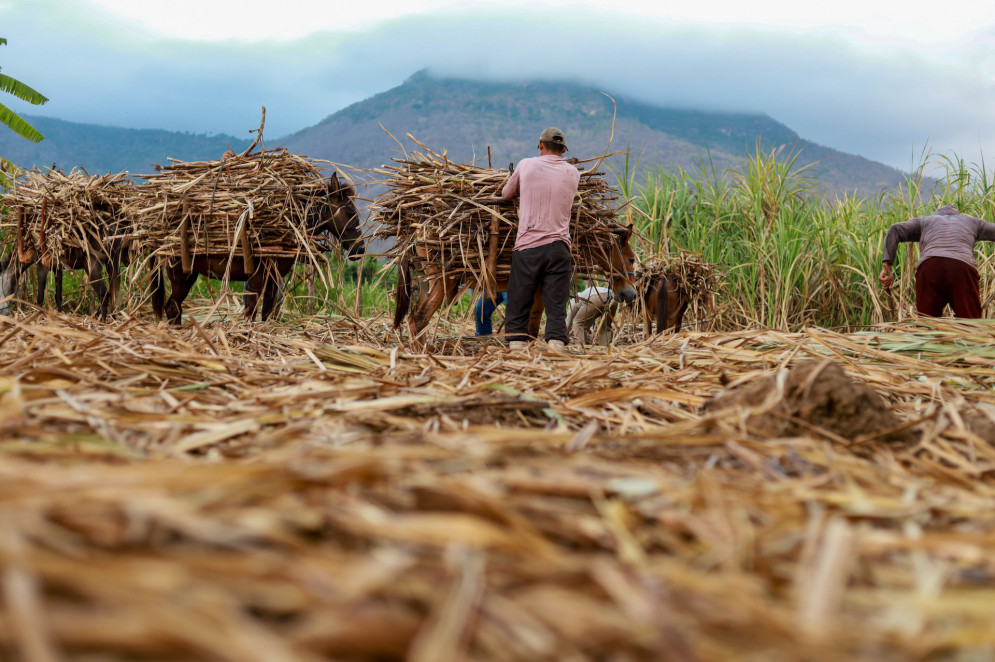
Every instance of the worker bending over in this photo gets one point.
(593, 306)
(946, 272)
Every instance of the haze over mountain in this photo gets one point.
(465, 117)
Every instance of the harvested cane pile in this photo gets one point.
(257, 204)
(446, 210)
(249, 493)
(57, 212)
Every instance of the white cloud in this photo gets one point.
(873, 22)
(880, 96)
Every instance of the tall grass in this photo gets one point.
(791, 257)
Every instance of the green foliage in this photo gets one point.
(793, 259)
(12, 120)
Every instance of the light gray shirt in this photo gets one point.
(947, 233)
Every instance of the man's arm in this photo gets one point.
(986, 231)
(897, 233)
(511, 188)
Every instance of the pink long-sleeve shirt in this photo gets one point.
(547, 185)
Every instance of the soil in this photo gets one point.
(980, 421)
(814, 393)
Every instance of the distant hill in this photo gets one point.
(466, 117)
(102, 149)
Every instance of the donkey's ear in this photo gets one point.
(334, 181)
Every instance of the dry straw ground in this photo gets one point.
(276, 493)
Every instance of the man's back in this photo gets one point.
(947, 233)
(546, 185)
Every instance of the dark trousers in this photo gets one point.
(943, 280)
(549, 267)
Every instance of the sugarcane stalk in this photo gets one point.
(248, 262)
(359, 287)
(186, 261)
(492, 254)
(22, 255)
(46, 254)
(312, 289)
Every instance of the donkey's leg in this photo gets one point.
(158, 292)
(440, 291)
(271, 294)
(114, 282)
(426, 307)
(41, 273)
(5, 266)
(680, 312)
(255, 289)
(271, 291)
(181, 284)
(535, 315)
(9, 278)
(275, 287)
(95, 271)
(662, 305)
(57, 277)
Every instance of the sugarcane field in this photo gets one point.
(251, 417)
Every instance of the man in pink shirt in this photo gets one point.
(546, 186)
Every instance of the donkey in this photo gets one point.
(337, 215)
(666, 301)
(616, 263)
(98, 252)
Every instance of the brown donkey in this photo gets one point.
(337, 216)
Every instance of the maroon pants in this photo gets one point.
(943, 280)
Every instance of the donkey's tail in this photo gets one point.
(663, 305)
(403, 293)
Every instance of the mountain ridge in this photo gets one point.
(466, 117)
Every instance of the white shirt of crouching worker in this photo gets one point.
(588, 309)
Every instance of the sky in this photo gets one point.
(883, 79)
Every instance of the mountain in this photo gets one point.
(102, 149)
(465, 117)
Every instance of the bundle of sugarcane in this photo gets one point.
(444, 217)
(259, 202)
(55, 212)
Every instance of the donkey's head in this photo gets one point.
(342, 219)
(620, 267)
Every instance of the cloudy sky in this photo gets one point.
(884, 79)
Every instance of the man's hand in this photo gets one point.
(493, 201)
(887, 278)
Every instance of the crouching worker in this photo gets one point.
(946, 272)
(593, 306)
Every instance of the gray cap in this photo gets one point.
(552, 135)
